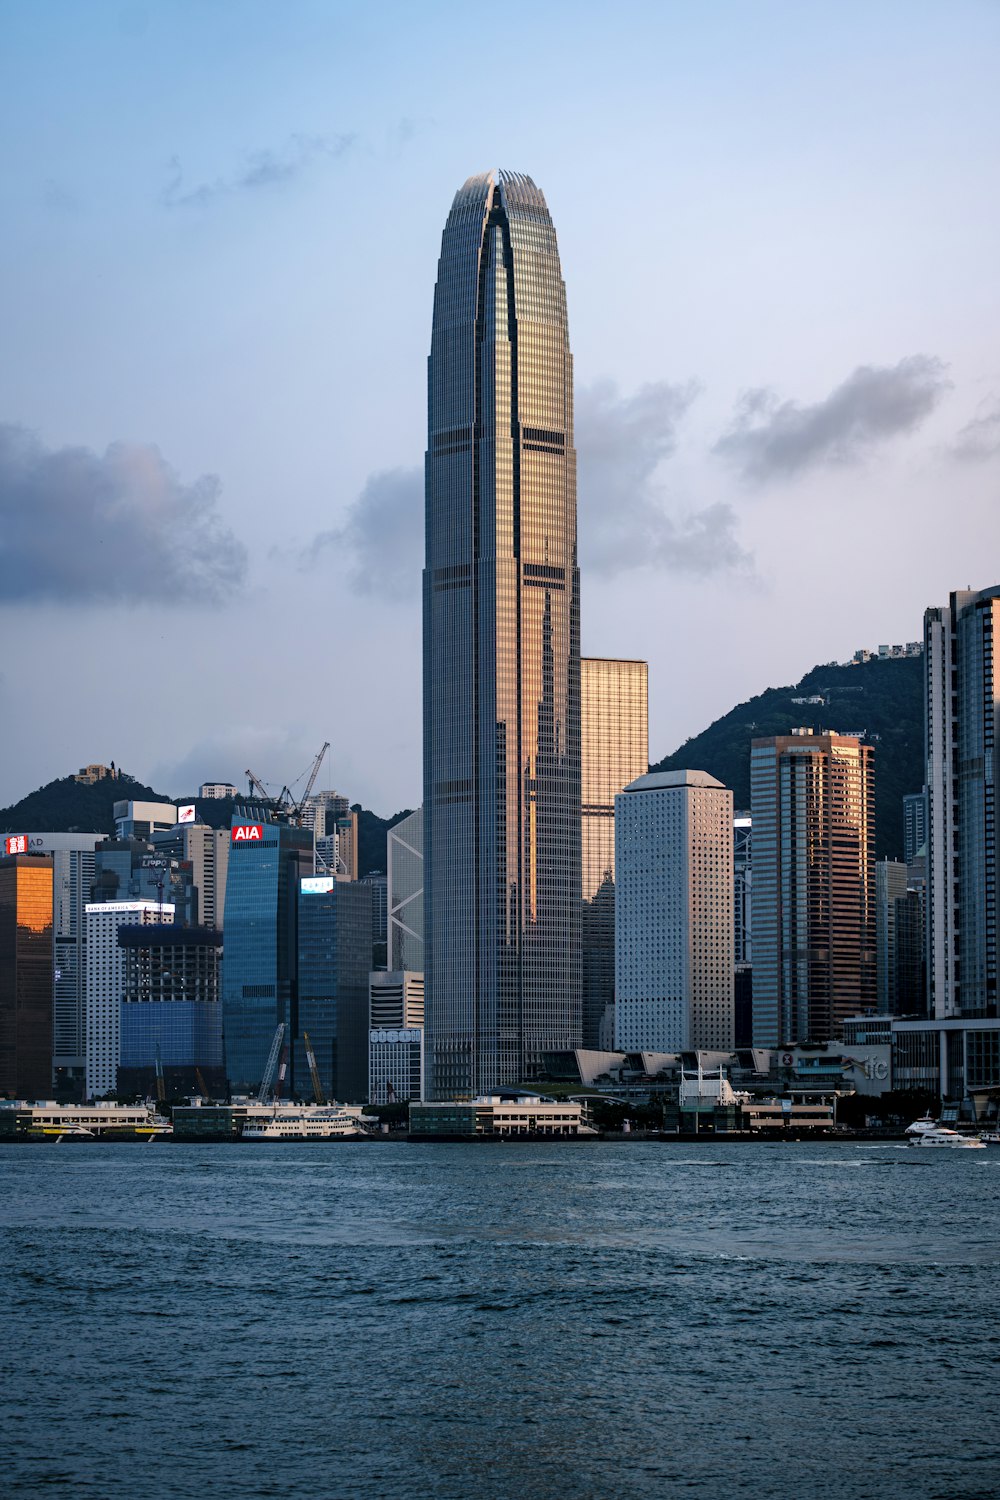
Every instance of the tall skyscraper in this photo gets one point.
(674, 913)
(267, 860)
(334, 962)
(890, 887)
(501, 648)
(962, 703)
(106, 984)
(206, 850)
(914, 825)
(813, 885)
(26, 972)
(614, 751)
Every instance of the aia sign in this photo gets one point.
(248, 833)
(17, 844)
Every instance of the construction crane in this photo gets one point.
(161, 1088)
(285, 807)
(318, 1094)
(264, 1092)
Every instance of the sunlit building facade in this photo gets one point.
(812, 798)
(26, 974)
(501, 649)
(614, 751)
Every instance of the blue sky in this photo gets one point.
(778, 226)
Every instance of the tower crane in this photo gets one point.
(313, 1070)
(285, 806)
(264, 1092)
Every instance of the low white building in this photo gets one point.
(395, 1064)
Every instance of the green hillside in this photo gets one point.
(69, 806)
(883, 698)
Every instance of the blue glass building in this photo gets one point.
(259, 970)
(335, 946)
(170, 1009)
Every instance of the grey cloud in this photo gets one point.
(78, 526)
(624, 523)
(381, 542)
(979, 440)
(259, 169)
(775, 439)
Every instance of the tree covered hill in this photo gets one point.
(70, 806)
(883, 698)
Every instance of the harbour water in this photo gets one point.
(578, 1321)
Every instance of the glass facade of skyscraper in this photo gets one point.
(259, 967)
(405, 874)
(614, 751)
(501, 648)
(26, 973)
(335, 948)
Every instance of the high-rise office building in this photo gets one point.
(405, 894)
(334, 963)
(138, 820)
(614, 751)
(106, 984)
(962, 703)
(132, 869)
(674, 914)
(267, 860)
(171, 1011)
(72, 879)
(890, 886)
(813, 885)
(501, 648)
(26, 975)
(206, 850)
(395, 1037)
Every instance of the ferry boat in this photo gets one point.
(942, 1136)
(318, 1124)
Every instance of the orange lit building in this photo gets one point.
(26, 976)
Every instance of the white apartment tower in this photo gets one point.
(674, 914)
(106, 983)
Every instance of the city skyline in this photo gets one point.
(800, 329)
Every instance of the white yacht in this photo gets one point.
(319, 1123)
(920, 1127)
(941, 1135)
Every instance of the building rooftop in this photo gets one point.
(660, 781)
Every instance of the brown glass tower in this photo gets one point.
(813, 885)
(501, 649)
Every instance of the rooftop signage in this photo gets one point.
(312, 885)
(185, 814)
(247, 833)
(17, 843)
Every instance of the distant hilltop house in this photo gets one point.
(886, 653)
(90, 774)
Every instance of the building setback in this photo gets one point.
(674, 913)
(26, 975)
(614, 743)
(813, 891)
(501, 648)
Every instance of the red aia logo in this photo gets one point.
(17, 844)
(246, 833)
